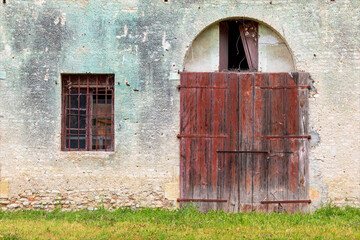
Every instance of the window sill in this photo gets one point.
(86, 153)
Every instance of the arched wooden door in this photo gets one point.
(244, 141)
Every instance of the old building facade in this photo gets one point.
(139, 48)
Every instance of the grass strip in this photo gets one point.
(329, 222)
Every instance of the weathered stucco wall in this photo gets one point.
(144, 43)
(203, 54)
(274, 54)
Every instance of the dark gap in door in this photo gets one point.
(236, 54)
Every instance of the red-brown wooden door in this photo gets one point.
(243, 141)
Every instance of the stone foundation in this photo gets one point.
(72, 200)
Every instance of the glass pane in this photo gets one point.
(74, 112)
(82, 122)
(83, 101)
(76, 142)
(74, 121)
(94, 144)
(82, 142)
(74, 98)
(98, 142)
(73, 142)
(101, 97)
(74, 101)
(67, 101)
(70, 122)
(108, 143)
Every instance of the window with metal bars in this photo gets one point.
(87, 112)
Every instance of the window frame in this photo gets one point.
(92, 89)
(251, 45)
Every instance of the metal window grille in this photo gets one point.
(87, 112)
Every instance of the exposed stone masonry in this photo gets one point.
(84, 199)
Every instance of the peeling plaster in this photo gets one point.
(124, 34)
(165, 44)
(63, 18)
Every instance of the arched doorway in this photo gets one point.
(244, 136)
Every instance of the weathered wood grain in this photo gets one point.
(238, 161)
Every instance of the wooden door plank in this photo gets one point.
(291, 170)
(223, 46)
(188, 126)
(249, 38)
(218, 102)
(183, 147)
(246, 140)
(219, 113)
(302, 79)
(230, 187)
(275, 183)
(204, 118)
(260, 161)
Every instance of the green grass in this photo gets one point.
(186, 223)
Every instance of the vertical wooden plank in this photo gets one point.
(223, 46)
(249, 38)
(260, 160)
(275, 184)
(212, 160)
(219, 121)
(194, 145)
(188, 126)
(203, 128)
(230, 188)
(217, 128)
(291, 171)
(282, 160)
(246, 140)
(266, 143)
(303, 148)
(282, 144)
(183, 146)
